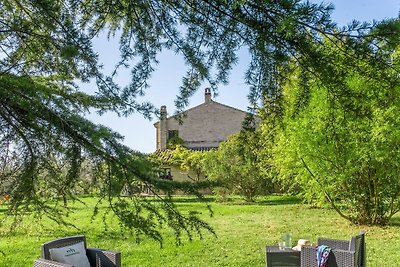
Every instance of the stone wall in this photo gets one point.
(206, 125)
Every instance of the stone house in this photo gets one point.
(202, 127)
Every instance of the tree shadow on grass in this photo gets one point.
(280, 200)
(187, 199)
(395, 222)
(194, 199)
(236, 200)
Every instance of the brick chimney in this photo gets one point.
(207, 95)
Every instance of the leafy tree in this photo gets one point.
(183, 158)
(340, 143)
(238, 165)
(46, 46)
(174, 141)
(209, 33)
(43, 125)
(194, 163)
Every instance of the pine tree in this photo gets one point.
(46, 46)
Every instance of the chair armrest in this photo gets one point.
(337, 257)
(49, 263)
(104, 258)
(334, 243)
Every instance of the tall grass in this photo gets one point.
(243, 230)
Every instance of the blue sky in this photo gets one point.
(140, 133)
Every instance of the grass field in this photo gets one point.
(243, 231)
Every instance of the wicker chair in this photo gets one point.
(343, 254)
(97, 257)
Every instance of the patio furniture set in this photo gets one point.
(344, 253)
(72, 247)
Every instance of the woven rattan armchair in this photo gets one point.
(97, 257)
(343, 254)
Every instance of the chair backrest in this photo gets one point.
(357, 244)
(61, 242)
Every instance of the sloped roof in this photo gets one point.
(199, 106)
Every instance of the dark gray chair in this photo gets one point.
(97, 257)
(343, 254)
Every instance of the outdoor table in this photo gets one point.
(276, 257)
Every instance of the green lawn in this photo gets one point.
(243, 231)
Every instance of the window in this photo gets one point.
(174, 139)
(165, 173)
(172, 134)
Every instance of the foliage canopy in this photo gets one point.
(239, 165)
(46, 46)
(340, 143)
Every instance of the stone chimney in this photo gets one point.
(207, 95)
(163, 112)
(163, 130)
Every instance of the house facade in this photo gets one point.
(202, 127)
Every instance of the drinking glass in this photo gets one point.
(287, 239)
(282, 245)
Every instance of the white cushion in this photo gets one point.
(73, 254)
